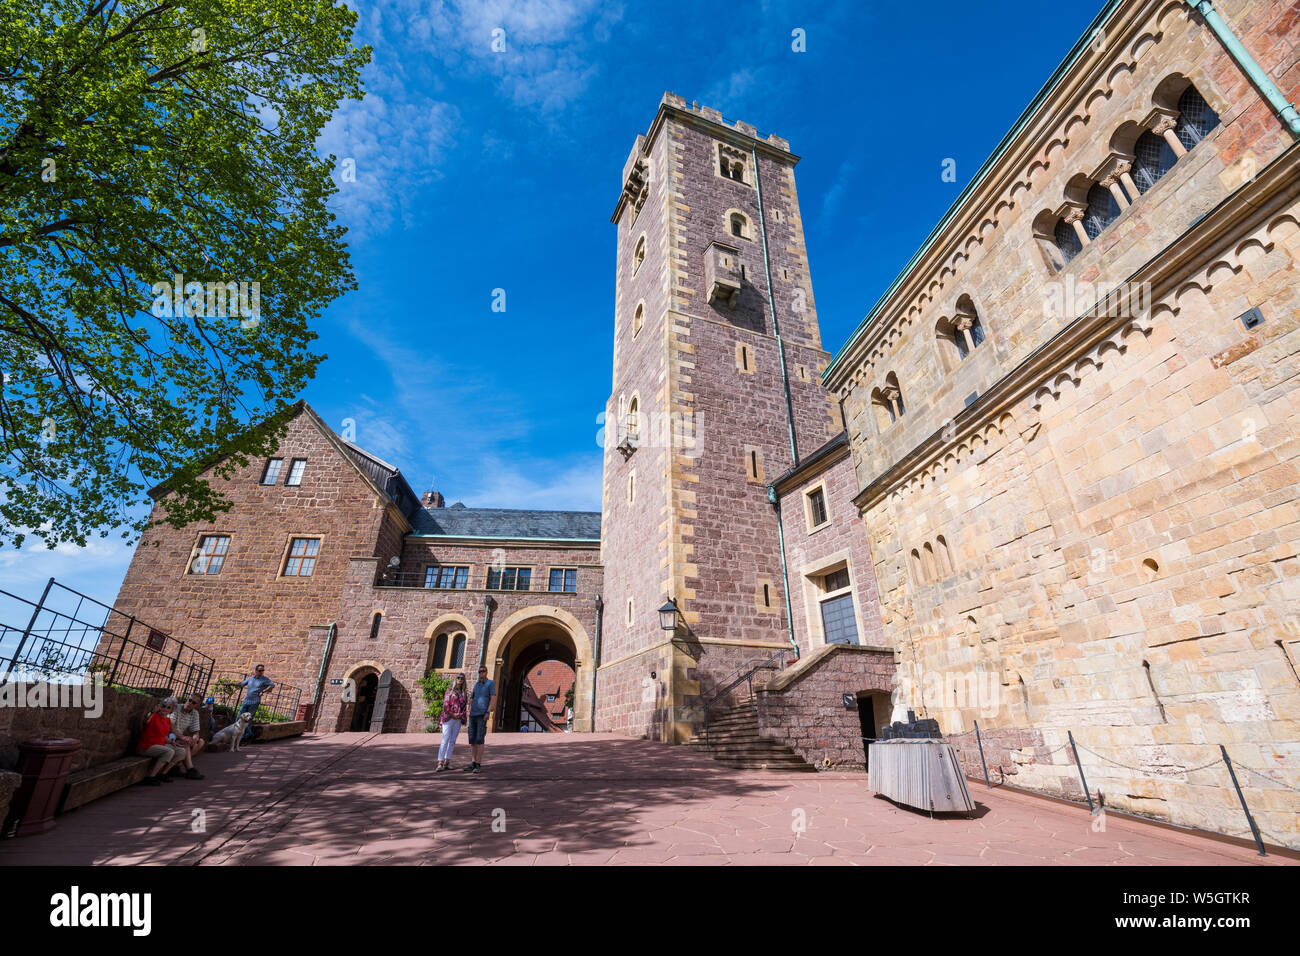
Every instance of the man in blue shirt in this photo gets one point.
(254, 685)
(481, 699)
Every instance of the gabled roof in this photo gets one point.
(384, 480)
(461, 522)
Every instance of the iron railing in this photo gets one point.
(744, 674)
(68, 637)
(472, 581)
(280, 703)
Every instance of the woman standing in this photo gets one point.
(453, 716)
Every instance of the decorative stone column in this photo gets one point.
(1075, 218)
(1165, 127)
(964, 322)
(894, 397)
(1112, 182)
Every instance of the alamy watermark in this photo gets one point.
(1069, 298)
(35, 689)
(213, 300)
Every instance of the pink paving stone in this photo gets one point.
(287, 803)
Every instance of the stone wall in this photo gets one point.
(251, 613)
(1114, 522)
(804, 708)
(104, 738)
(707, 379)
(413, 617)
(839, 543)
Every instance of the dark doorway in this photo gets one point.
(367, 687)
(867, 720)
(529, 650)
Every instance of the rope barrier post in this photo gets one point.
(1079, 764)
(983, 762)
(1242, 797)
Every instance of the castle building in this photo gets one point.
(1050, 483)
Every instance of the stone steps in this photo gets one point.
(734, 741)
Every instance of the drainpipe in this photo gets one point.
(771, 304)
(487, 618)
(595, 664)
(785, 574)
(1284, 110)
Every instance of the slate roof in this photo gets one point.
(462, 522)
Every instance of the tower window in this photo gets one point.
(638, 255)
(739, 226)
(375, 620)
(638, 319)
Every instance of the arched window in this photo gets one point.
(888, 402)
(960, 335)
(1152, 158)
(931, 570)
(883, 410)
(638, 318)
(633, 419)
(1067, 240)
(1195, 117)
(375, 620)
(917, 574)
(739, 225)
(458, 652)
(638, 256)
(944, 555)
(1101, 212)
(440, 652)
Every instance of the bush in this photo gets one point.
(435, 687)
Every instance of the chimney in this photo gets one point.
(433, 499)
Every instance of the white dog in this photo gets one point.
(233, 734)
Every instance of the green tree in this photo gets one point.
(142, 140)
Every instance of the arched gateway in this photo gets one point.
(527, 638)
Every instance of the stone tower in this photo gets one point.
(716, 392)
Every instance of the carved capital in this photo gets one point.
(1164, 125)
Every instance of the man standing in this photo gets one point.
(482, 698)
(185, 730)
(255, 685)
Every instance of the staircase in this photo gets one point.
(734, 741)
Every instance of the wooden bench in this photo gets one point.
(92, 783)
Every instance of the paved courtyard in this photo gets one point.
(554, 799)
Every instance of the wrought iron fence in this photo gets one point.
(462, 578)
(68, 637)
(278, 704)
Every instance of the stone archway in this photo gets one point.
(354, 714)
(525, 639)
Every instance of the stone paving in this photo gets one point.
(556, 799)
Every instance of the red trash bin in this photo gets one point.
(304, 712)
(44, 765)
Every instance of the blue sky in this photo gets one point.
(479, 170)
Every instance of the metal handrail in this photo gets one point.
(775, 662)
